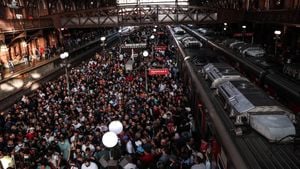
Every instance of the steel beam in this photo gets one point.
(138, 15)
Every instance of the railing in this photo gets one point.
(10, 25)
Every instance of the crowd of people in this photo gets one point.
(54, 128)
(77, 38)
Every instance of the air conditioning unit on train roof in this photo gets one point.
(273, 127)
(241, 120)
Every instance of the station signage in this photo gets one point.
(135, 45)
(164, 71)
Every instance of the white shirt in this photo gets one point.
(91, 146)
(129, 147)
(198, 166)
(76, 126)
(49, 139)
(91, 166)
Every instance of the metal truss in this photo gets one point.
(137, 15)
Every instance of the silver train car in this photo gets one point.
(179, 31)
(249, 105)
(191, 42)
(217, 73)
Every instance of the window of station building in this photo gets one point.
(152, 2)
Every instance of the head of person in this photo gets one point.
(87, 162)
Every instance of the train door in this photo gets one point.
(203, 119)
(200, 115)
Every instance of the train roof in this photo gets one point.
(265, 155)
(220, 69)
(249, 91)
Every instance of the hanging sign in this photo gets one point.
(164, 71)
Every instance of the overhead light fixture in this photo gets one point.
(145, 53)
(64, 55)
(103, 38)
(277, 32)
(244, 26)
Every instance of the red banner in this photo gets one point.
(160, 48)
(241, 34)
(158, 72)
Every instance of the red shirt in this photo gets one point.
(30, 135)
(147, 158)
(129, 78)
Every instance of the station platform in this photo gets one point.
(21, 68)
(25, 76)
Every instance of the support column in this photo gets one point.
(61, 37)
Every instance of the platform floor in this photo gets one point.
(23, 77)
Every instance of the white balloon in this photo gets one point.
(109, 139)
(115, 126)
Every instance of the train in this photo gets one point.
(248, 104)
(191, 42)
(179, 31)
(255, 67)
(251, 50)
(243, 118)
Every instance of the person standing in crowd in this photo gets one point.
(26, 59)
(1, 70)
(37, 54)
(199, 162)
(11, 66)
(65, 147)
(47, 53)
(88, 164)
